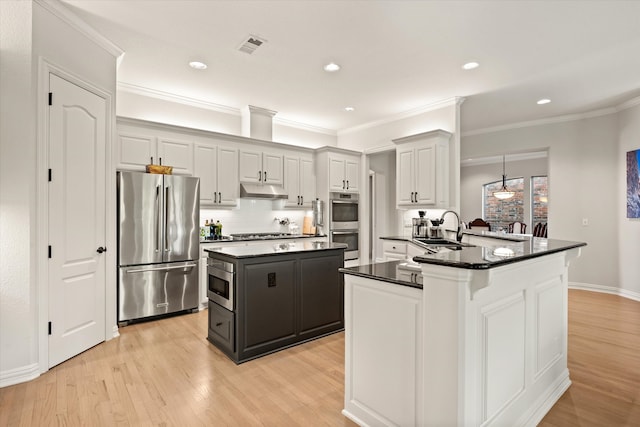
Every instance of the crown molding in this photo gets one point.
(516, 157)
(558, 119)
(166, 96)
(629, 104)
(456, 100)
(56, 8)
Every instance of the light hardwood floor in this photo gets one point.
(165, 373)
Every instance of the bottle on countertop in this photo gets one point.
(212, 230)
(218, 226)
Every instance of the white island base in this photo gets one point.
(484, 347)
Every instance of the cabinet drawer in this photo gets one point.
(222, 326)
(395, 247)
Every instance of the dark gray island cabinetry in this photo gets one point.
(273, 296)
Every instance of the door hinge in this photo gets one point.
(49, 251)
(49, 328)
(49, 175)
(50, 98)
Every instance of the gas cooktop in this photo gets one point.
(261, 236)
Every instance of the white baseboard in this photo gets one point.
(605, 290)
(19, 375)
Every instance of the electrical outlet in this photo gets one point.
(585, 222)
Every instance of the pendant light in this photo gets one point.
(503, 193)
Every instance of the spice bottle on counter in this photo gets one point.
(218, 229)
(212, 230)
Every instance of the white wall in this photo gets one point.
(583, 160)
(473, 177)
(26, 35)
(18, 336)
(628, 231)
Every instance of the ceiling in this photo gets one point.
(395, 56)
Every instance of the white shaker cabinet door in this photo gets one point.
(176, 153)
(405, 176)
(135, 151)
(272, 169)
(307, 182)
(250, 166)
(204, 167)
(228, 185)
(425, 172)
(352, 175)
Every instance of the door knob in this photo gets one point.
(101, 249)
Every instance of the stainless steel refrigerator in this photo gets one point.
(158, 244)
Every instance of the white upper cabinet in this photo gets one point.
(344, 173)
(299, 181)
(138, 147)
(176, 153)
(422, 170)
(261, 167)
(217, 168)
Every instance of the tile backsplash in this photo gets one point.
(254, 216)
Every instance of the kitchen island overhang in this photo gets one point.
(490, 334)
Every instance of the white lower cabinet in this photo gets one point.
(400, 250)
(383, 352)
(394, 250)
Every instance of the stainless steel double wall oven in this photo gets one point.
(344, 223)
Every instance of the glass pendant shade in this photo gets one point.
(503, 193)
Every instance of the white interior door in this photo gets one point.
(77, 137)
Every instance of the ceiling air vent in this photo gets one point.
(250, 44)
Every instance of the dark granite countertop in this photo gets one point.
(227, 239)
(268, 249)
(496, 235)
(406, 239)
(503, 252)
(394, 272)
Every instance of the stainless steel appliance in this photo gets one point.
(344, 224)
(318, 216)
(158, 244)
(221, 282)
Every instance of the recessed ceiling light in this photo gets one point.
(470, 65)
(331, 67)
(198, 65)
(349, 109)
(543, 101)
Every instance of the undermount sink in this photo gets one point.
(444, 243)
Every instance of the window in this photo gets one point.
(499, 213)
(539, 198)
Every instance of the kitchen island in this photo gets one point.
(483, 341)
(274, 295)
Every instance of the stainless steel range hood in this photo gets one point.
(262, 191)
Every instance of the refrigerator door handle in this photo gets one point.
(158, 210)
(173, 267)
(166, 219)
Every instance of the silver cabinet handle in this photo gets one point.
(174, 267)
(265, 176)
(301, 200)
(412, 197)
(416, 197)
(260, 176)
(298, 200)
(219, 197)
(343, 185)
(347, 184)
(215, 197)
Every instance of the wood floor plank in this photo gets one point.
(165, 373)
